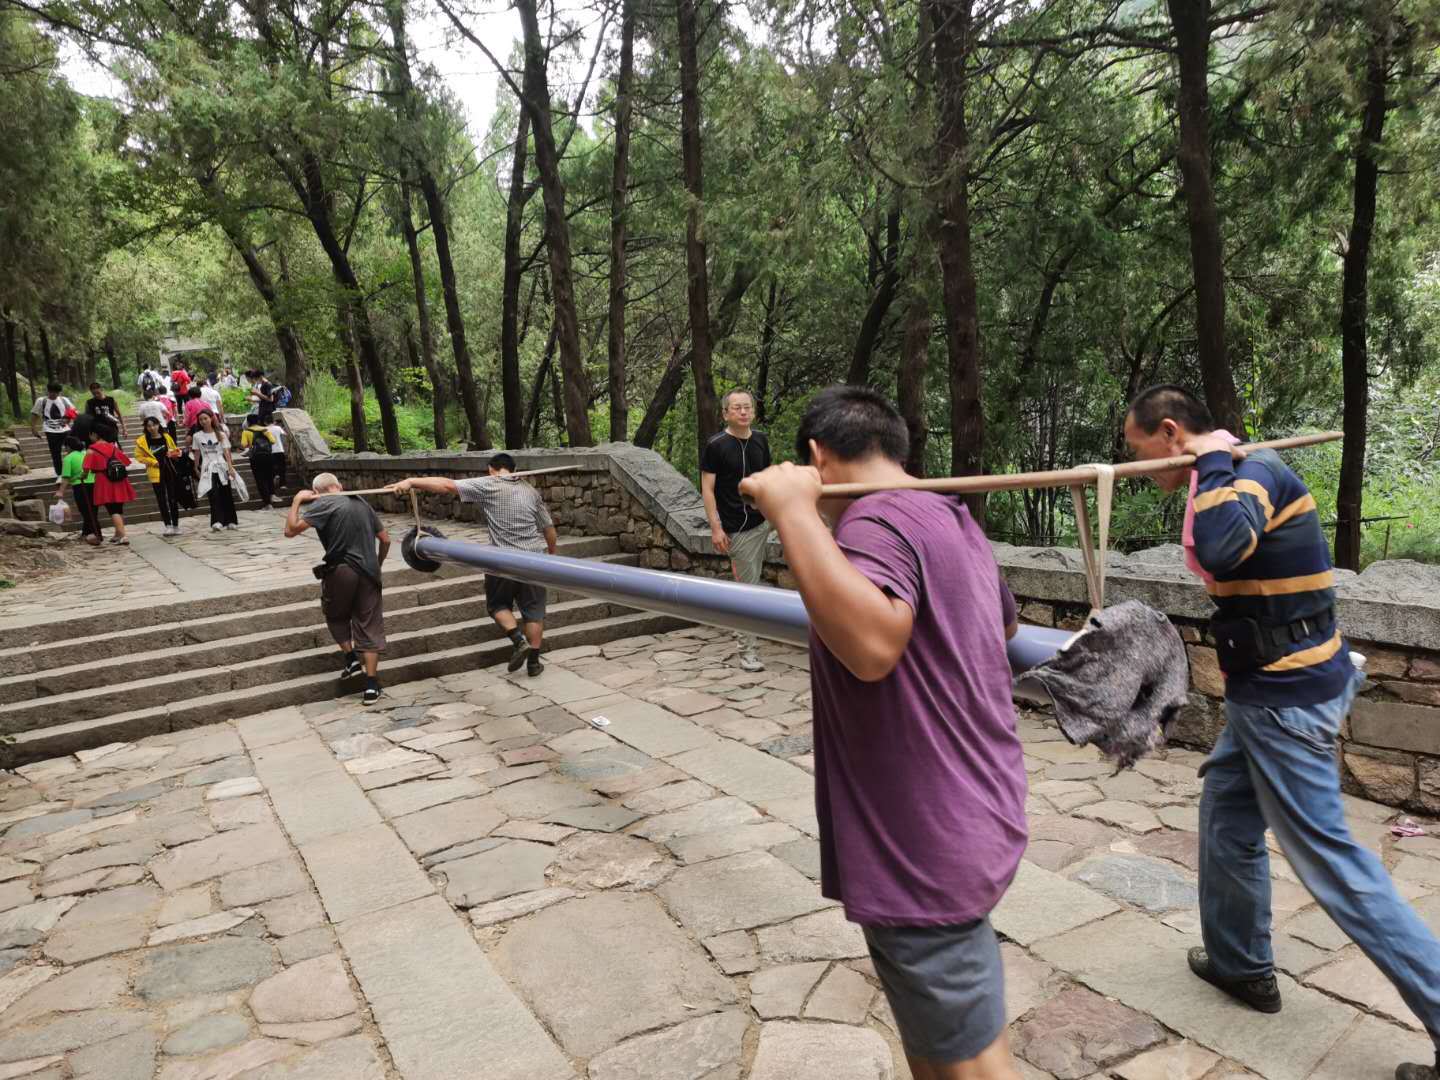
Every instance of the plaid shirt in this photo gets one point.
(515, 514)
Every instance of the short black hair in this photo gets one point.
(1167, 401)
(70, 442)
(193, 394)
(852, 422)
(147, 421)
(106, 430)
(149, 392)
(502, 461)
(54, 388)
(94, 386)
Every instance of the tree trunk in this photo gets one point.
(454, 317)
(345, 326)
(1354, 312)
(767, 346)
(422, 315)
(46, 355)
(707, 407)
(869, 335)
(664, 397)
(536, 100)
(619, 183)
(1191, 19)
(286, 336)
(914, 358)
(516, 424)
(317, 211)
(29, 361)
(92, 362)
(440, 229)
(951, 21)
(537, 392)
(9, 365)
(109, 346)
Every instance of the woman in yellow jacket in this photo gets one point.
(158, 453)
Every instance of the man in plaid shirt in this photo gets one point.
(516, 517)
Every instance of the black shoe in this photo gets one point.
(1419, 1072)
(534, 667)
(352, 668)
(371, 695)
(1262, 995)
(522, 650)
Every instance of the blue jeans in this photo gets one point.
(1277, 767)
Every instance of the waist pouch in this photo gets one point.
(1248, 644)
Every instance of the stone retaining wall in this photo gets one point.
(1391, 612)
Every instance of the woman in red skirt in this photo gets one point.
(110, 493)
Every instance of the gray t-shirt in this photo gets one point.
(349, 528)
(515, 514)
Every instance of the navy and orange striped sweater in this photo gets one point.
(1258, 533)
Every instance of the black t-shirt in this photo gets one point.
(104, 406)
(265, 408)
(731, 460)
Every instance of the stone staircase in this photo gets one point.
(37, 456)
(76, 683)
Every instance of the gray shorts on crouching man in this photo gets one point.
(945, 985)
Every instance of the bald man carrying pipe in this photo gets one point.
(356, 544)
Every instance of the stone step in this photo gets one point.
(316, 657)
(77, 734)
(198, 614)
(291, 630)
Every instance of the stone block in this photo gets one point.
(1385, 777)
(1413, 692)
(810, 1051)
(1078, 1032)
(426, 981)
(576, 961)
(738, 892)
(694, 1050)
(1396, 726)
(1205, 671)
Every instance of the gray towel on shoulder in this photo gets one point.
(1118, 682)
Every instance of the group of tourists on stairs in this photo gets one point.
(184, 462)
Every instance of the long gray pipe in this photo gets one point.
(778, 614)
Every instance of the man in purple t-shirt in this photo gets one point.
(919, 774)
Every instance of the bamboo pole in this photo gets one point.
(1080, 475)
(514, 475)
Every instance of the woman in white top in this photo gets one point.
(214, 471)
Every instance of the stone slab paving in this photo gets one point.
(474, 879)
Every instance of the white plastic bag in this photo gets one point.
(58, 510)
(239, 490)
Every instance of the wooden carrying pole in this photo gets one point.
(513, 475)
(1082, 475)
(1103, 476)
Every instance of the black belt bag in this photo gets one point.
(1248, 644)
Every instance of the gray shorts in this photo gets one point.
(502, 594)
(945, 985)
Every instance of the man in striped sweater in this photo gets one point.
(1254, 538)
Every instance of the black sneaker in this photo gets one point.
(352, 668)
(534, 666)
(517, 657)
(371, 695)
(1262, 995)
(1419, 1072)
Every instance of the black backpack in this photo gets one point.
(260, 442)
(115, 469)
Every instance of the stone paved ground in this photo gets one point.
(476, 881)
(197, 563)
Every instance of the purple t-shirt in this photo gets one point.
(919, 777)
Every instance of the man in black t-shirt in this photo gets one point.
(736, 528)
(101, 404)
(262, 393)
